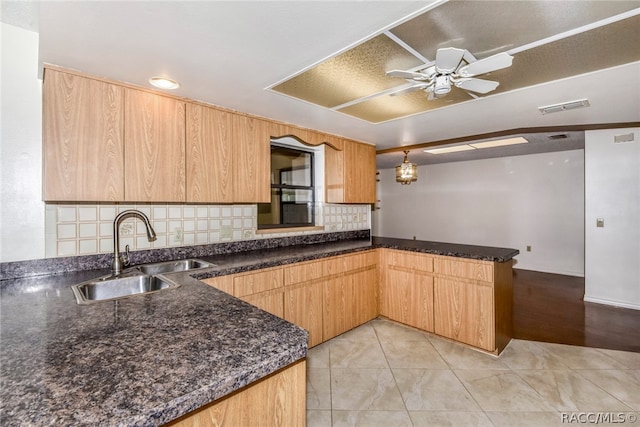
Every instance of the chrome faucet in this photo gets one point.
(118, 260)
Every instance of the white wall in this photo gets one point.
(612, 188)
(535, 200)
(22, 214)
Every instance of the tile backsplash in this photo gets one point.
(87, 229)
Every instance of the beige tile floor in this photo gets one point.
(386, 374)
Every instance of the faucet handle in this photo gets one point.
(125, 258)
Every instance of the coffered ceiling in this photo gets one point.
(322, 64)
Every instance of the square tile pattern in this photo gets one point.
(387, 374)
(87, 229)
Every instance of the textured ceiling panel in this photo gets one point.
(485, 28)
(351, 75)
(387, 107)
(603, 47)
(600, 48)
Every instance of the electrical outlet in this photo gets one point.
(354, 217)
(179, 235)
(528, 248)
(127, 228)
(248, 234)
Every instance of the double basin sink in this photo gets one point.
(139, 280)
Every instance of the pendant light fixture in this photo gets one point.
(406, 172)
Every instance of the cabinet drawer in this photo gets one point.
(471, 269)
(344, 263)
(413, 261)
(223, 283)
(260, 281)
(303, 272)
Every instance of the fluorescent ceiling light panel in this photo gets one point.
(499, 142)
(453, 149)
(565, 106)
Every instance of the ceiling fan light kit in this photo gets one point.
(406, 172)
(454, 66)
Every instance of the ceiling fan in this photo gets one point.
(457, 67)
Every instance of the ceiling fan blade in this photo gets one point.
(409, 89)
(476, 85)
(406, 74)
(448, 59)
(486, 65)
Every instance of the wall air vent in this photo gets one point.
(565, 106)
(558, 136)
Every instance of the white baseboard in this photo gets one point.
(613, 303)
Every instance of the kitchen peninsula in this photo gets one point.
(152, 359)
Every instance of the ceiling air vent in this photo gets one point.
(558, 136)
(565, 106)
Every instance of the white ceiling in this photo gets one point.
(228, 53)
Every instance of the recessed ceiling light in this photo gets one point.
(164, 83)
(499, 142)
(453, 149)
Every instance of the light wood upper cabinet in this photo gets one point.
(350, 172)
(251, 160)
(334, 171)
(359, 173)
(83, 156)
(209, 155)
(154, 147)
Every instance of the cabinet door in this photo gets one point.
(359, 173)
(407, 297)
(209, 155)
(251, 160)
(464, 312)
(303, 307)
(337, 315)
(154, 148)
(334, 171)
(365, 290)
(82, 139)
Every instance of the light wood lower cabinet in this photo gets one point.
(303, 307)
(278, 400)
(462, 299)
(464, 312)
(407, 288)
(350, 292)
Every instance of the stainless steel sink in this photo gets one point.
(138, 280)
(173, 266)
(110, 288)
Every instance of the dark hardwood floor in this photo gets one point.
(549, 308)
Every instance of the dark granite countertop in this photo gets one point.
(147, 360)
(483, 253)
(144, 360)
